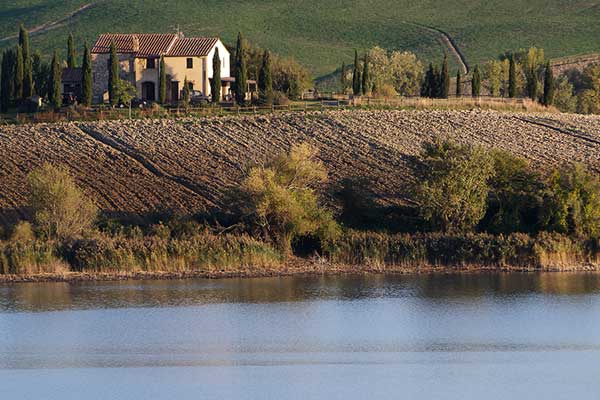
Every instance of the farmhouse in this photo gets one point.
(139, 60)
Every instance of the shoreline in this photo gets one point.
(305, 268)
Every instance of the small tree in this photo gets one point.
(265, 81)
(61, 210)
(454, 185)
(366, 77)
(512, 78)
(458, 84)
(19, 75)
(476, 82)
(124, 93)
(27, 69)
(162, 85)
(185, 99)
(215, 84)
(113, 73)
(54, 88)
(549, 86)
(241, 79)
(445, 79)
(356, 80)
(343, 78)
(71, 56)
(280, 198)
(86, 77)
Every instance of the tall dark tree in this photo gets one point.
(356, 81)
(476, 82)
(241, 72)
(113, 73)
(41, 74)
(366, 77)
(445, 79)
(71, 56)
(215, 83)
(7, 80)
(426, 87)
(27, 67)
(19, 75)
(265, 80)
(549, 86)
(436, 83)
(458, 84)
(162, 83)
(343, 78)
(86, 77)
(54, 88)
(512, 77)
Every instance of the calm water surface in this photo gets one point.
(496, 336)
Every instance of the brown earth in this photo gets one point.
(136, 167)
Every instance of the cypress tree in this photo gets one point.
(476, 82)
(549, 86)
(436, 83)
(86, 77)
(186, 93)
(54, 95)
(6, 77)
(512, 78)
(19, 75)
(426, 88)
(27, 67)
(41, 75)
(113, 73)
(215, 84)
(71, 56)
(343, 79)
(458, 84)
(356, 82)
(265, 80)
(241, 72)
(532, 84)
(445, 79)
(162, 84)
(366, 76)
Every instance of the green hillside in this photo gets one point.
(322, 34)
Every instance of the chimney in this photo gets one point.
(135, 44)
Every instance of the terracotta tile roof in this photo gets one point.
(195, 46)
(141, 44)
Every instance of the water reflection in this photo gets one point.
(36, 297)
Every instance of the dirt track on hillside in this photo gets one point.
(136, 167)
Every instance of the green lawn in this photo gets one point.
(322, 34)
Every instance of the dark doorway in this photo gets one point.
(148, 91)
(174, 91)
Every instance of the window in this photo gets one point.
(150, 63)
(190, 63)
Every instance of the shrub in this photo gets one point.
(572, 202)
(280, 199)
(454, 185)
(61, 209)
(515, 196)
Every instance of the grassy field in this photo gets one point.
(323, 34)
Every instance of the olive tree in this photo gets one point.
(60, 209)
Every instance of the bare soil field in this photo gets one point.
(139, 166)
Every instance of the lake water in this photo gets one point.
(492, 336)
